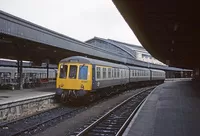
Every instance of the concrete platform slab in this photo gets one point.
(8, 96)
(173, 109)
(21, 103)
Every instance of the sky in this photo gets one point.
(78, 19)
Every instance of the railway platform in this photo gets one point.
(19, 103)
(172, 109)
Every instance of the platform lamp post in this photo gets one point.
(19, 71)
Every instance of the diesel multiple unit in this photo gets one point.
(80, 76)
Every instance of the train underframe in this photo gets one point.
(67, 96)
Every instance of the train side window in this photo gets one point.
(112, 72)
(98, 72)
(118, 73)
(83, 72)
(125, 73)
(115, 72)
(63, 71)
(109, 72)
(104, 72)
(121, 73)
(73, 71)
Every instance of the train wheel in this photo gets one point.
(108, 93)
(91, 97)
(13, 88)
(64, 98)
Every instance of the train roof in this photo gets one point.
(156, 70)
(81, 59)
(134, 67)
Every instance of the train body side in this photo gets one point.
(109, 75)
(157, 75)
(138, 74)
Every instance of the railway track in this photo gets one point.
(114, 122)
(37, 122)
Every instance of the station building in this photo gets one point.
(136, 51)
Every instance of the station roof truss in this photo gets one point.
(168, 30)
(21, 39)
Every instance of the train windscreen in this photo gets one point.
(63, 71)
(83, 72)
(73, 71)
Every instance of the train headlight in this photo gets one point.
(82, 86)
(61, 85)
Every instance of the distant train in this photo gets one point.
(80, 76)
(31, 77)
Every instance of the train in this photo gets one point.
(83, 77)
(31, 77)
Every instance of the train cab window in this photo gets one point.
(109, 72)
(104, 72)
(73, 71)
(63, 71)
(83, 72)
(98, 72)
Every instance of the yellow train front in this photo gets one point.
(74, 78)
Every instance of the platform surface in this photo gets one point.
(8, 96)
(173, 109)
